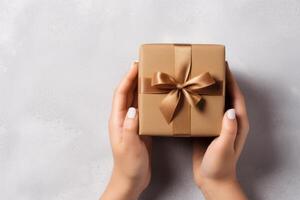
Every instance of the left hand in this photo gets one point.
(131, 152)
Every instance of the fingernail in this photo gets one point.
(230, 114)
(131, 113)
(135, 63)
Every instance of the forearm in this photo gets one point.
(223, 190)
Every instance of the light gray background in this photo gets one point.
(61, 60)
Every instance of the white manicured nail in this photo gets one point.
(231, 114)
(134, 64)
(131, 113)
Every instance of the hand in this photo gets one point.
(214, 163)
(131, 152)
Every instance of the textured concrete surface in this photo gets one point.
(60, 60)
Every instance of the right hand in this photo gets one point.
(214, 163)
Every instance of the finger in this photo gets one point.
(238, 102)
(237, 98)
(132, 98)
(229, 129)
(232, 86)
(120, 99)
(123, 90)
(135, 98)
(130, 126)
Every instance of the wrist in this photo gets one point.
(222, 189)
(210, 184)
(121, 188)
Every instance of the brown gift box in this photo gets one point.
(160, 63)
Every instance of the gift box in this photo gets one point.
(181, 89)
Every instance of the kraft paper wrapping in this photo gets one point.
(202, 122)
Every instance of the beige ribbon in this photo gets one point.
(176, 90)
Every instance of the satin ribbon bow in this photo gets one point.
(178, 90)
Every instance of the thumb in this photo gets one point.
(130, 126)
(229, 128)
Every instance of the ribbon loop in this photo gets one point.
(163, 81)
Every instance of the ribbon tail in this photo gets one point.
(169, 104)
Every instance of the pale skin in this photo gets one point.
(214, 162)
